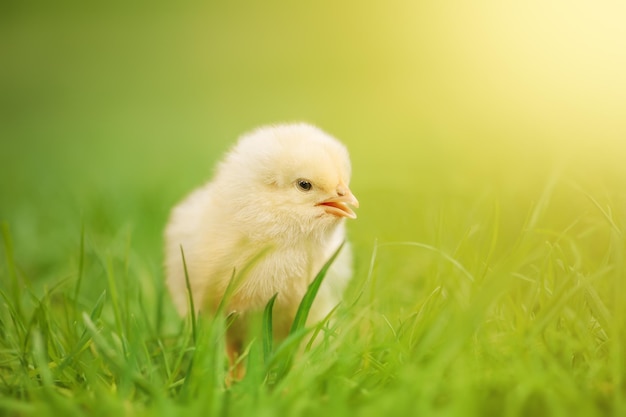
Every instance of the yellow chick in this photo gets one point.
(275, 212)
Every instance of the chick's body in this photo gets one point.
(273, 213)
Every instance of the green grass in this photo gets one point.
(479, 321)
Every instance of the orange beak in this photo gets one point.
(339, 206)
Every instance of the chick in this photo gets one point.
(274, 212)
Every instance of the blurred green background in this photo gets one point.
(111, 112)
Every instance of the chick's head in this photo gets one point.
(295, 175)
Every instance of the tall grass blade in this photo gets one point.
(297, 331)
(81, 264)
(115, 299)
(307, 301)
(268, 331)
(192, 307)
(15, 287)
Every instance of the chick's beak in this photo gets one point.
(339, 205)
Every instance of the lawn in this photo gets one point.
(487, 144)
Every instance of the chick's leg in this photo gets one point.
(236, 367)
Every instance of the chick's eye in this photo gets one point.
(304, 185)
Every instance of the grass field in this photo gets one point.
(490, 250)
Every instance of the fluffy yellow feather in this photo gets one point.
(283, 192)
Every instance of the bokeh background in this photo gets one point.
(111, 112)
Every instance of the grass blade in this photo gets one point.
(290, 345)
(15, 287)
(307, 301)
(192, 307)
(268, 332)
(81, 264)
